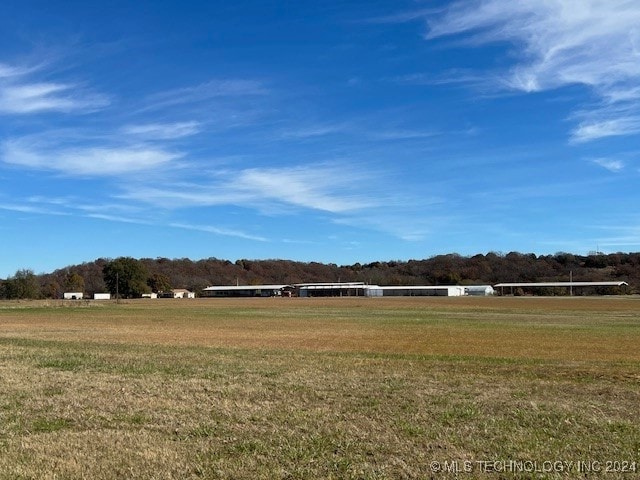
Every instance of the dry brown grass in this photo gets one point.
(551, 328)
(317, 388)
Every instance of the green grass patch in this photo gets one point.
(48, 425)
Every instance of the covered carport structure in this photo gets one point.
(246, 291)
(569, 285)
(336, 289)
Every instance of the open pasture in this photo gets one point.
(321, 388)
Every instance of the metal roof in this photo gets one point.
(563, 284)
(228, 288)
(330, 284)
(418, 287)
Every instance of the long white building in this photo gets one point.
(415, 291)
(344, 289)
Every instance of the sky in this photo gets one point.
(336, 131)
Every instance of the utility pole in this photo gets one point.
(571, 283)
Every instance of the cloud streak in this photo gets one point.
(29, 208)
(162, 131)
(32, 98)
(21, 95)
(204, 92)
(7, 71)
(324, 188)
(610, 164)
(111, 213)
(86, 161)
(218, 231)
(595, 129)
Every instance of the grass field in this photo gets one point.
(321, 388)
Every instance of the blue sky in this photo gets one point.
(339, 132)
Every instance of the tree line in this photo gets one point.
(129, 277)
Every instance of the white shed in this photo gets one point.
(182, 293)
(72, 295)
(479, 290)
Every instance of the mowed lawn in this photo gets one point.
(321, 388)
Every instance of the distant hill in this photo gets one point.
(449, 269)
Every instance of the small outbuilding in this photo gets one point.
(72, 295)
(177, 293)
(479, 290)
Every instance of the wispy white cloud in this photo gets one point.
(31, 208)
(601, 126)
(610, 164)
(397, 225)
(42, 97)
(162, 131)
(517, 191)
(92, 208)
(313, 131)
(118, 213)
(119, 218)
(627, 242)
(615, 95)
(328, 188)
(218, 231)
(410, 218)
(404, 17)
(464, 77)
(185, 195)
(324, 188)
(87, 161)
(21, 95)
(60, 201)
(7, 71)
(622, 231)
(399, 134)
(344, 195)
(594, 43)
(203, 92)
(369, 129)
